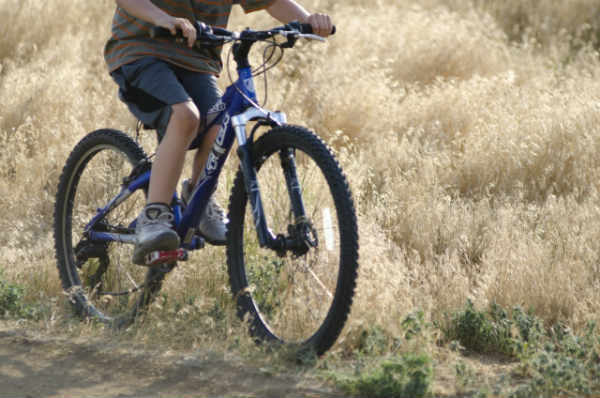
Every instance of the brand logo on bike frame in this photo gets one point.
(218, 149)
(220, 106)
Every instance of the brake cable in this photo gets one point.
(262, 69)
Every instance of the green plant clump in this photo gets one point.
(409, 375)
(12, 301)
(565, 365)
(495, 330)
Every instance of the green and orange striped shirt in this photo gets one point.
(130, 38)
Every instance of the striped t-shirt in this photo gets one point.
(130, 38)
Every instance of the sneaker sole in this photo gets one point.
(140, 252)
(214, 242)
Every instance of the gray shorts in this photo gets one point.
(150, 86)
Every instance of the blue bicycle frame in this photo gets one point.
(240, 108)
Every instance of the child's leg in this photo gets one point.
(213, 224)
(167, 166)
(203, 89)
(202, 153)
(154, 227)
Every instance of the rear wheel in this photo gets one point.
(99, 277)
(302, 295)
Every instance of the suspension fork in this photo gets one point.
(265, 237)
(301, 228)
(288, 163)
(244, 151)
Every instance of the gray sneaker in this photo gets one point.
(213, 223)
(154, 231)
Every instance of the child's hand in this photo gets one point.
(187, 29)
(321, 24)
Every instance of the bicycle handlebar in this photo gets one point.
(216, 36)
(306, 28)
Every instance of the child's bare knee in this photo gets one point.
(187, 117)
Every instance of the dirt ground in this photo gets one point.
(34, 365)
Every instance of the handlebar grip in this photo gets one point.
(220, 31)
(307, 28)
(157, 31)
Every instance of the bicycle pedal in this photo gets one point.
(161, 257)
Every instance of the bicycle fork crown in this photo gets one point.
(239, 121)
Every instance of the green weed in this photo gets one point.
(12, 302)
(565, 365)
(483, 332)
(409, 375)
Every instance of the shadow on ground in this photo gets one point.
(38, 366)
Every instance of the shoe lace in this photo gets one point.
(166, 218)
(163, 218)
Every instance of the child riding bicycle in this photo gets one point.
(171, 86)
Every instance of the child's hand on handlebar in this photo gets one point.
(174, 24)
(321, 24)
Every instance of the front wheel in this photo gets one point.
(302, 295)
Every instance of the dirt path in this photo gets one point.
(40, 366)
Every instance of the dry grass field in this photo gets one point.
(469, 132)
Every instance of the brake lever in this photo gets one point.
(311, 36)
(299, 35)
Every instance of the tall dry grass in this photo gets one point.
(468, 130)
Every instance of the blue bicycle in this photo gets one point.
(292, 243)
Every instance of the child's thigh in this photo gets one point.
(150, 87)
(205, 93)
